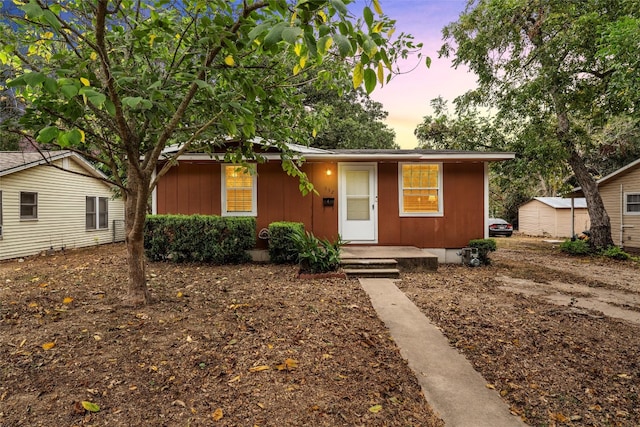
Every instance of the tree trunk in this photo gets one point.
(135, 214)
(600, 223)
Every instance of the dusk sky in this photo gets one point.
(407, 97)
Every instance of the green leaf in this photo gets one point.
(344, 46)
(370, 80)
(50, 85)
(69, 91)
(339, 6)
(259, 29)
(19, 81)
(274, 35)
(111, 108)
(428, 62)
(32, 10)
(47, 134)
(94, 97)
(368, 16)
(90, 406)
(131, 101)
(291, 34)
(34, 79)
(51, 19)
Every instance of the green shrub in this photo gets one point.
(484, 246)
(317, 255)
(199, 238)
(575, 247)
(282, 245)
(614, 252)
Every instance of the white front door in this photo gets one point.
(358, 214)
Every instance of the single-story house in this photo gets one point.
(620, 192)
(432, 199)
(553, 217)
(54, 200)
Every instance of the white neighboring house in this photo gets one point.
(44, 205)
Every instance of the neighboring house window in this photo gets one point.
(632, 203)
(97, 213)
(0, 214)
(239, 191)
(28, 205)
(420, 189)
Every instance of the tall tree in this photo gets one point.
(119, 80)
(351, 118)
(537, 61)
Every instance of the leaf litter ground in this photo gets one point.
(220, 345)
(252, 345)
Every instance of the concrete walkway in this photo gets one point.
(450, 384)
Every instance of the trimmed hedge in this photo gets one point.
(282, 245)
(199, 238)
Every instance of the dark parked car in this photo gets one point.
(499, 227)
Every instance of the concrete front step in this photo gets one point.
(380, 273)
(369, 263)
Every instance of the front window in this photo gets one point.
(632, 203)
(238, 191)
(28, 205)
(420, 189)
(97, 213)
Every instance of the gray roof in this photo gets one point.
(15, 161)
(563, 203)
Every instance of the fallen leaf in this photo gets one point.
(375, 409)
(43, 285)
(90, 406)
(261, 405)
(179, 403)
(259, 368)
(288, 364)
(558, 416)
(67, 300)
(48, 345)
(33, 304)
(491, 386)
(179, 294)
(234, 379)
(625, 376)
(217, 414)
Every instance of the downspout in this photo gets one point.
(621, 216)
(573, 218)
(486, 200)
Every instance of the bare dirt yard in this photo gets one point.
(557, 337)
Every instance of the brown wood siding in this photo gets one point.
(463, 219)
(190, 188)
(194, 187)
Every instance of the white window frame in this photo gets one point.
(0, 214)
(223, 192)
(626, 199)
(440, 211)
(98, 212)
(35, 205)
